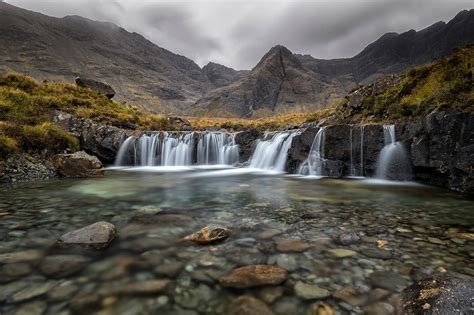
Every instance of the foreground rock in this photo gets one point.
(209, 235)
(253, 276)
(148, 287)
(79, 164)
(247, 305)
(97, 235)
(96, 86)
(442, 294)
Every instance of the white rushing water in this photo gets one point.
(357, 169)
(271, 153)
(178, 149)
(315, 163)
(217, 148)
(393, 162)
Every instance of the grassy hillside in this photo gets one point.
(447, 83)
(26, 107)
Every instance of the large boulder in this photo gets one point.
(442, 294)
(97, 235)
(79, 164)
(247, 141)
(96, 86)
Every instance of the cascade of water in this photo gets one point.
(315, 163)
(393, 162)
(178, 149)
(123, 155)
(272, 152)
(217, 148)
(354, 170)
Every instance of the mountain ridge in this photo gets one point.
(59, 49)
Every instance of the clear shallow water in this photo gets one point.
(154, 208)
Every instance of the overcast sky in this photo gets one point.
(238, 33)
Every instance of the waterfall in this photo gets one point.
(178, 149)
(271, 153)
(123, 155)
(315, 163)
(354, 170)
(217, 148)
(393, 162)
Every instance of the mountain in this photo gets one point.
(393, 53)
(278, 83)
(142, 73)
(60, 49)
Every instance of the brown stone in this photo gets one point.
(97, 235)
(148, 287)
(291, 245)
(247, 305)
(321, 309)
(79, 164)
(208, 235)
(254, 275)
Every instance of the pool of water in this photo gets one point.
(397, 233)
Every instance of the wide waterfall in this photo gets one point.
(393, 161)
(271, 152)
(178, 149)
(315, 163)
(357, 160)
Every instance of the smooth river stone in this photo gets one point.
(341, 252)
(209, 235)
(253, 276)
(247, 305)
(26, 255)
(147, 287)
(291, 245)
(97, 235)
(60, 266)
(310, 292)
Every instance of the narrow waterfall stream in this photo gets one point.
(393, 162)
(178, 149)
(315, 163)
(356, 169)
(271, 153)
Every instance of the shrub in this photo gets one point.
(7, 146)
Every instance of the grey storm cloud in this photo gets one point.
(237, 33)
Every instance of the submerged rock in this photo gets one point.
(247, 305)
(79, 164)
(10, 272)
(209, 235)
(291, 245)
(347, 238)
(148, 287)
(389, 280)
(441, 294)
(341, 252)
(253, 276)
(60, 266)
(98, 235)
(310, 292)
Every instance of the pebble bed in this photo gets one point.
(349, 246)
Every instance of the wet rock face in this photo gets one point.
(299, 149)
(99, 140)
(79, 164)
(442, 146)
(209, 235)
(96, 86)
(246, 141)
(97, 235)
(442, 294)
(254, 276)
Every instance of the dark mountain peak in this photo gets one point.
(278, 57)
